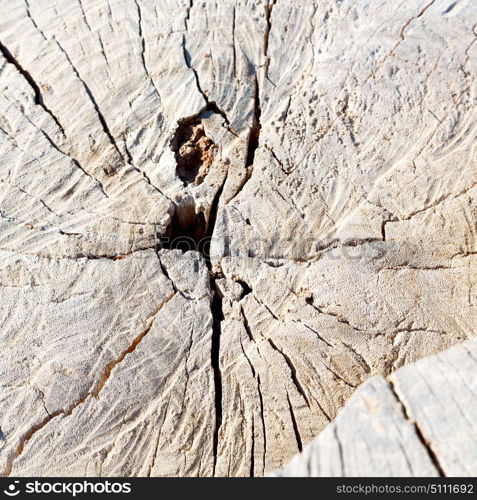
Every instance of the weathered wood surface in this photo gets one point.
(329, 149)
(420, 423)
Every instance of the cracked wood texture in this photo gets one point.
(420, 423)
(327, 148)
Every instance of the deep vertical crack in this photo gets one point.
(199, 228)
(217, 317)
(255, 129)
(252, 451)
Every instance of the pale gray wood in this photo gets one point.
(439, 394)
(420, 423)
(346, 124)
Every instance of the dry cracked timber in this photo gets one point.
(420, 423)
(319, 158)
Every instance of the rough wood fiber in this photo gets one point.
(421, 423)
(328, 147)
